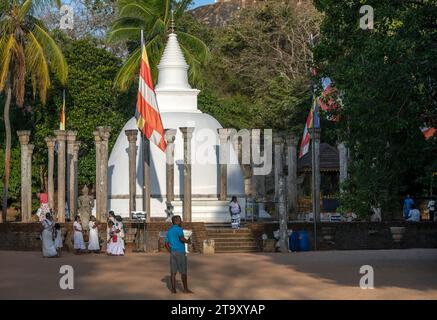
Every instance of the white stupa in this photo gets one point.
(177, 103)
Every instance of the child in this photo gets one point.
(175, 244)
(79, 244)
(114, 244)
(93, 243)
(58, 239)
(120, 226)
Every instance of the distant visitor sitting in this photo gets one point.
(431, 209)
(414, 214)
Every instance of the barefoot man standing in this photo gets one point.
(175, 244)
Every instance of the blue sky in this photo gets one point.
(202, 2)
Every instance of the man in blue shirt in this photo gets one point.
(175, 244)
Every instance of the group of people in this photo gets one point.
(412, 213)
(52, 240)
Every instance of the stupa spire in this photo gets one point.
(173, 68)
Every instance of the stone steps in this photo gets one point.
(228, 240)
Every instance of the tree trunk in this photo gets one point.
(7, 153)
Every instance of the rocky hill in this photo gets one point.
(219, 13)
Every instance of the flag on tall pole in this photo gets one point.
(428, 132)
(313, 121)
(147, 113)
(62, 121)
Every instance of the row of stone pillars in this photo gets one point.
(170, 135)
(26, 172)
(281, 143)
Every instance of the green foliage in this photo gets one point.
(154, 17)
(91, 101)
(14, 182)
(387, 77)
(258, 74)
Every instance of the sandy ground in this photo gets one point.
(399, 274)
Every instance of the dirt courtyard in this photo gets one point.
(398, 274)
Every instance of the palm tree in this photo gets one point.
(27, 52)
(155, 18)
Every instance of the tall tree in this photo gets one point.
(27, 51)
(155, 17)
(388, 79)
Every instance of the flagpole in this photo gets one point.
(315, 161)
(146, 161)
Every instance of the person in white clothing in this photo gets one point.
(79, 244)
(431, 209)
(48, 244)
(58, 238)
(119, 225)
(93, 244)
(114, 244)
(414, 214)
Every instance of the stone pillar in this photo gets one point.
(71, 140)
(24, 136)
(224, 159)
(258, 180)
(97, 185)
(74, 180)
(291, 142)
(343, 161)
(187, 135)
(282, 215)
(132, 138)
(170, 135)
(60, 138)
(50, 170)
(278, 143)
(315, 137)
(104, 149)
(30, 148)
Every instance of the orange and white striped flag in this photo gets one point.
(147, 113)
(62, 121)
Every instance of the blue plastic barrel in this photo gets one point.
(293, 241)
(304, 241)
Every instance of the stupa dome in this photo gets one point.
(177, 103)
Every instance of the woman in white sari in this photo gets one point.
(48, 244)
(79, 244)
(235, 210)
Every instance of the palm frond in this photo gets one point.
(195, 46)
(135, 10)
(7, 47)
(125, 29)
(128, 71)
(24, 9)
(38, 67)
(54, 54)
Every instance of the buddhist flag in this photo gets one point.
(62, 122)
(313, 120)
(428, 132)
(147, 113)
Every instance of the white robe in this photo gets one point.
(93, 243)
(58, 239)
(122, 235)
(115, 247)
(78, 236)
(48, 245)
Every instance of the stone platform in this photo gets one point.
(330, 235)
